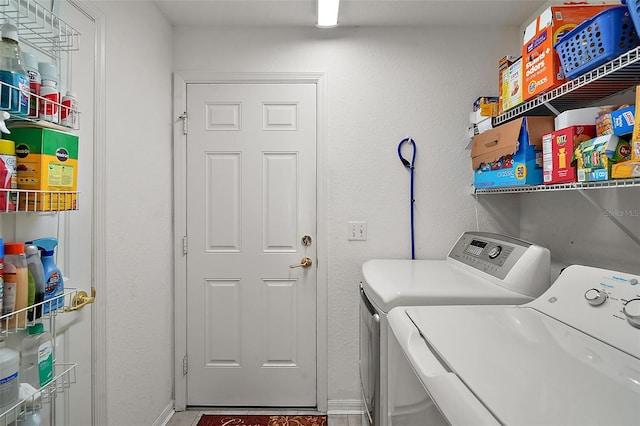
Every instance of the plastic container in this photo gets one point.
(16, 284)
(14, 95)
(35, 81)
(53, 281)
(9, 380)
(36, 357)
(36, 281)
(69, 110)
(596, 41)
(49, 92)
(8, 174)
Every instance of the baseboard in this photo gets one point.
(344, 406)
(165, 416)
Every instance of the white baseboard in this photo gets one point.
(344, 406)
(165, 416)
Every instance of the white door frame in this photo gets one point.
(180, 81)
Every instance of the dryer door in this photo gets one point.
(369, 358)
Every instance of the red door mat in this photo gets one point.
(233, 420)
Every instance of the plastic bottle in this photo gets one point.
(53, 281)
(36, 281)
(8, 174)
(36, 357)
(69, 110)
(16, 284)
(9, 380)
(35, 81)
(49, 91)
(15, 96)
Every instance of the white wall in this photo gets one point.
(139, 213)
(383, 85)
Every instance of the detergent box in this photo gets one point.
(47, 160)
(594, 158)
(541, 65)
(619, 122)
(557, 152)
(510, 154)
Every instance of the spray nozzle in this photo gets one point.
(4, 115)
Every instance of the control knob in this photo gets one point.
(631, 310)
(495, 252)
(595, 297)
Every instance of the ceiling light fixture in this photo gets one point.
(328, 13)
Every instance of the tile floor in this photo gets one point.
(191, 417)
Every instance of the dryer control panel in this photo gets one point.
(512, 263)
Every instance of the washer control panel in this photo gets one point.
(491, 253)
(602, 303)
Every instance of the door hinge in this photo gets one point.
(183, 117)
(185, 365)
(184, 245)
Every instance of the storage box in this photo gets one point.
(542, 69)
(595, 157)
(510, 154)
(626, 169)
(619, 122)
(503, 64)
(47, 160)
(557, 152)
(512, 85)
(577, 117)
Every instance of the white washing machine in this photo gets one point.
(481, 268)
(570, 357)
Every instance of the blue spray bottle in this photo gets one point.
(53, 281)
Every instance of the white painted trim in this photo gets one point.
(165, 416)
(99, 221)
(180, 81)
(344, 406)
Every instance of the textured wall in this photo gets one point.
(383, 84)
(139, 216)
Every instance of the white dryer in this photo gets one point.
(570, 357)
(481, 268)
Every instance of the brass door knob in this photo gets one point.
(304, 263)
(81, 299)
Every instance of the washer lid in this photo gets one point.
(399, 282)
(528, 368)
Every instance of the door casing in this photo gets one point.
(180, 81)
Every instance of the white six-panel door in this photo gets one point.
(251, 198)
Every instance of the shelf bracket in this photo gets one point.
(611, 217)
(552, 109)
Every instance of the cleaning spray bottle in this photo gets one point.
(36, 281)
(53, 281)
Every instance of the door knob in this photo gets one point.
(304, 263)
(81, 299)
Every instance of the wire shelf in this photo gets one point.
(26, 200)
(40, 28)
(613, 77)
(615, 183)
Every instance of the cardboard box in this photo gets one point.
(542, 69)
(503, 64)
(512, 90)
(47, 160)
(635, 136)
(595, 157)
(626, 169)
(557, 153)
(619, 122)
(510, 154)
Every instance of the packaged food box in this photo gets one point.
(510, 154)
(557, 153)
(47, 160)
(541, 65)
(619, 122)
(483, 108)
(635, 135)
(595, 157)
(503, 64)
(626, 169)
(512, 90)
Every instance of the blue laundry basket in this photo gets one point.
(596, 41)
